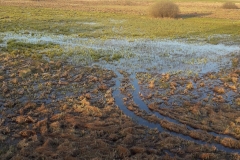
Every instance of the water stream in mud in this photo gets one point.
(159, 56)
(144, 107)
(119, 102)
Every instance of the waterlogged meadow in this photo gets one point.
(102, 80)
(118, 25)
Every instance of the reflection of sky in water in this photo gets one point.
(171, 56)
(142, 55)
(118, 100)
(145, 55)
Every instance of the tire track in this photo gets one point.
(141, 121)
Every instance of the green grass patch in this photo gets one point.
(15, 45)
(31, 49)
(213, 40)
(110, 25)
(113, 57)
(116, 56)
(99, 55)
(92, 55)
(164, 85)
(96, 56)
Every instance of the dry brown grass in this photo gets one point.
(237, 101)
(174, 127)
(27, 133)
(153, 118)
(165, 77)
(137, 149)
(164, 9)
(219, 90)
(195, 110)
(189, 86)
(123, 151)
(229, 5)
(232, 87)
(206, 156)
(231, 143)
(235, 62)
(153, 106)
(151, 84)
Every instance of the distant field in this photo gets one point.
(120, 19)
(102, 79)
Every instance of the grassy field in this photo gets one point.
(86, 19)
(105, 80)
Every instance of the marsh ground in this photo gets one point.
(104, 80)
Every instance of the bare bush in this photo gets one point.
(229, 5)
(164, 9)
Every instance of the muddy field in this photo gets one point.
(60, 110)
(96, 83)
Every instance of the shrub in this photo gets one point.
(164, 9)
(229, 5)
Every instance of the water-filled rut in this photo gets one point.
(147, 56)
(141, 121)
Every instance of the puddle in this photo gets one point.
(115, 21)
(118, 100)
(155, 56)
(141, 55)
(172, 56)
(89, 23)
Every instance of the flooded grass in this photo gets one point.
(90, 102)
(140, 55)
(119, 25)
(190, 108)
(14, 45)
(105, 85)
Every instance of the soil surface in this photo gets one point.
(57, 110)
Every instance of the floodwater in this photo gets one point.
(143, 55)
(118, 100)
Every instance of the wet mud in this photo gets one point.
(61, 109)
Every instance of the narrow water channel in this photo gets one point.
(141, 121)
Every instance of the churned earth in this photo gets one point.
(157, 100)
(104, 80)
